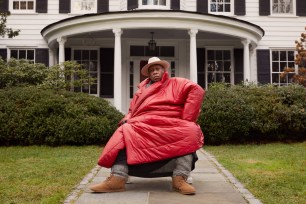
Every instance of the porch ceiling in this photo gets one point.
(138, 24)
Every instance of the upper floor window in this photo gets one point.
(154, 4)
(283, 7)
(221, 6)
(24, 6)
(83, 6)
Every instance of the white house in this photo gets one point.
(204, 40)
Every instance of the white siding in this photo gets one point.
(114, 5)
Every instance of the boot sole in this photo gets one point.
(113, 191)
(184, 193)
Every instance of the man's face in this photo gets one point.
(156, 72)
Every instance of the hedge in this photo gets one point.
(244, 114)
(33, 116)
(230, 114)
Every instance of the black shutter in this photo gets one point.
(238, 66)
(300, 7)
(201, 66)
(132, 4)
(67, 54)
(263, 66)
(103, 6)
(4, 6)
(239, 7)
(42, 56)
(42, 6)
(64, 6)
(3, 54)
(107, 72)
(264, 7)
(175, 5)
(202, 6)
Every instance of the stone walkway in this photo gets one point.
(214, 185)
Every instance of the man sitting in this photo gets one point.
(159, 135)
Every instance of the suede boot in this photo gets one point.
(111, 184)
(180, 185)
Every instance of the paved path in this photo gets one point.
(214, 185)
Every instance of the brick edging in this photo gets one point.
(75, 193)
(247, 195)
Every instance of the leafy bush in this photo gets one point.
(21, 73)
(239, 114)
(32, 116)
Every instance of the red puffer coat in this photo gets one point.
(161, 123)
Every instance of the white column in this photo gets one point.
(193, 55)
(51, 57)
(61, 55)
(246, 60)
(117, 70)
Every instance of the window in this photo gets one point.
(172, 69)
(89, 59)
(83, 6)
(221, 6)
(219, 66)
(27, 54)
(24, 6)
(161, 51)
(280, 60)
(131, 79)
(154, 4)
(282, 7)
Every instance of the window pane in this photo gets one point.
(137, 50)
(275, 56)
(22, 54)
(290, 56)
(167, 51)
(30, 55)
(30, 5)
(227, 78)
(16, 5)
(85, 88)
(162, 2)
(227, 8)
(290, 64)
(93, 89)
(210, 55)
(77, 55)
(218, 55)
(92, 66)
(93, 55)
(283, 56)
(282, 66)
(23, 5)
(14, 54)
(227, 55)
(227, 66)
(85, 54)
(275, 78)
(275, 67)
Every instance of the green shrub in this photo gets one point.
(21, 72)
(33, 116)
(239, 114)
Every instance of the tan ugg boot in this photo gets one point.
(111, 184)
(180, 185)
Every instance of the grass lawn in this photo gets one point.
(43, 174)
(274, 173)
